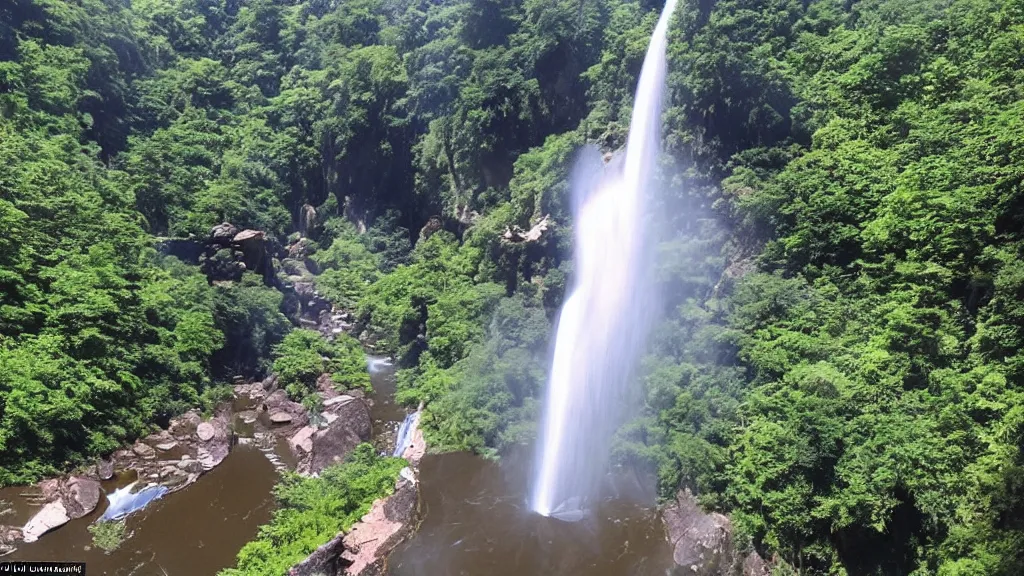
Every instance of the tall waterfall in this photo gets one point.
(603, 321)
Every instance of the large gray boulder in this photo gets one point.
(81, 496)
(223, 233)
(53, 515)
(701, 542)
(331, 445)
(213, 449)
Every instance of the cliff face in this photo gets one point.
(702, 543)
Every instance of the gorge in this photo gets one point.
(798, 350)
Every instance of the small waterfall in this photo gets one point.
(404, 438)
(123, 501)
(266, 443)
(602, 324)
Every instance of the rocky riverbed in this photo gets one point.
(260, 417)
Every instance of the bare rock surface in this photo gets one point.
(205, 431)
(53, 515)
(143, 450)
(701, 542)
(278, 403)
(303, 440)
(81, 495)
(389, 520)
(332, 444)
(280, 417)
(105, 469)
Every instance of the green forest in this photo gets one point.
(840, 219)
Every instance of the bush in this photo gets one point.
(107, 536)
(304, 355)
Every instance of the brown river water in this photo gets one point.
(474, 520)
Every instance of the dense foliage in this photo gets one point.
(312, 511)
(838, 365)
(304, 355)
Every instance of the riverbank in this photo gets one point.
(221, 508)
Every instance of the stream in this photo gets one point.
(475, 520)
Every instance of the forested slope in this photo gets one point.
(839, 207)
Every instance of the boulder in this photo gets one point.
(223, 234)
(191, 466)
(302, 441)
(52, 515)
(143, 450)
(754, 565)
(105, 469)
(280, 417)
(165, 446)
(277, 403)
(332, 444)
(701, 542)
(222, 266)
(252, 244)
(81, 495)
(216, 437)
(185, 425)
(205, 431)
(10, 536)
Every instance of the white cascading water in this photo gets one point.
(602, 324)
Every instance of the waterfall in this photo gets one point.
(405, 433)
(123, 501)
(603, 322)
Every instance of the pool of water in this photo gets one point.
(475, 522)
(195, 531)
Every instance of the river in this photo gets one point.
(474, 519)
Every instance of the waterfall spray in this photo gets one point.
(602, 324)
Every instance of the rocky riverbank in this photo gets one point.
(702, 543)
(363, 550)
(191, 446)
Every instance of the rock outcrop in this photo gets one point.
(388, 522)
(81, 495)
(278, 403)
(349, 427)
(363, 550)
(516, 235)
(53, 515)
(66, 499)
(702, 542)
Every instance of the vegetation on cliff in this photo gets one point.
(838, 365)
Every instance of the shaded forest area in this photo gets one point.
(839, 366)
